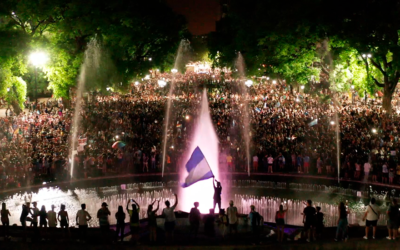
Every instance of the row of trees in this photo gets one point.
(134, 36)
(339, 43)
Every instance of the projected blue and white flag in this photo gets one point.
(198, 168)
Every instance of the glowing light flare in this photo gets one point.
(174, 71)
(38, 58)
(249, 83)
(274, 82)
(161, 83)
(332, 123)
(147, 77)
(302, 87)
(374, 131)
(136, 83)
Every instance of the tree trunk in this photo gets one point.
(17, 109)
(387, 99)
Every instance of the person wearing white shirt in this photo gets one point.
(270, 161)
(232, 213)
(170, 219)
(82, 217)
(367, 168)
(255, 163)
(52, 217)
(371, 216)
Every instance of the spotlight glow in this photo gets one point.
(161, 83)
(206, 139)
(248, 83)
(38, 59)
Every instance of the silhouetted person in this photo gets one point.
(194, 220)
(102, 215)
(152, 216)
(134, 219)
(24, 214)
(120, 216)
(209, 221)
(5, 213)
(170, 219)
(217, 194)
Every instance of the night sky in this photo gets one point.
(201, 15)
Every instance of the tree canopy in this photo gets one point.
(134, 36)
(340, 43)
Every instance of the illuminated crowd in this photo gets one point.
(290, 131)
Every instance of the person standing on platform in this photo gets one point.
(217, 194)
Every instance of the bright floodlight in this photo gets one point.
(297, 100)
(248, 83)
(174, 71)
(150, 59)
(369, 55)
(273, 82)
(8, 89)
(332, 123)
(364, 55)
(38, 59)
(161, 83)
(302, 87)
(267, 78)
(187, 117)
(374, 131)
(147, 77)
(136, 83)
(352, 86)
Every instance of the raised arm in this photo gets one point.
(137, 204)
(176, 201)
(158, 206)
(127, 205)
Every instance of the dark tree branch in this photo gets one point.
(378, 83)
(378, 66)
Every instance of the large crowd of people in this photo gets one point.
(290, 131)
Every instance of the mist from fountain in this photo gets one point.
(245, 129)
(92, 60)
(206, 139)
(181, 59)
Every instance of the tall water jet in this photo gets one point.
(91, 61)
(181, 59)
(325, 53)
(241, 67)
(206, 139)
(183, 55)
